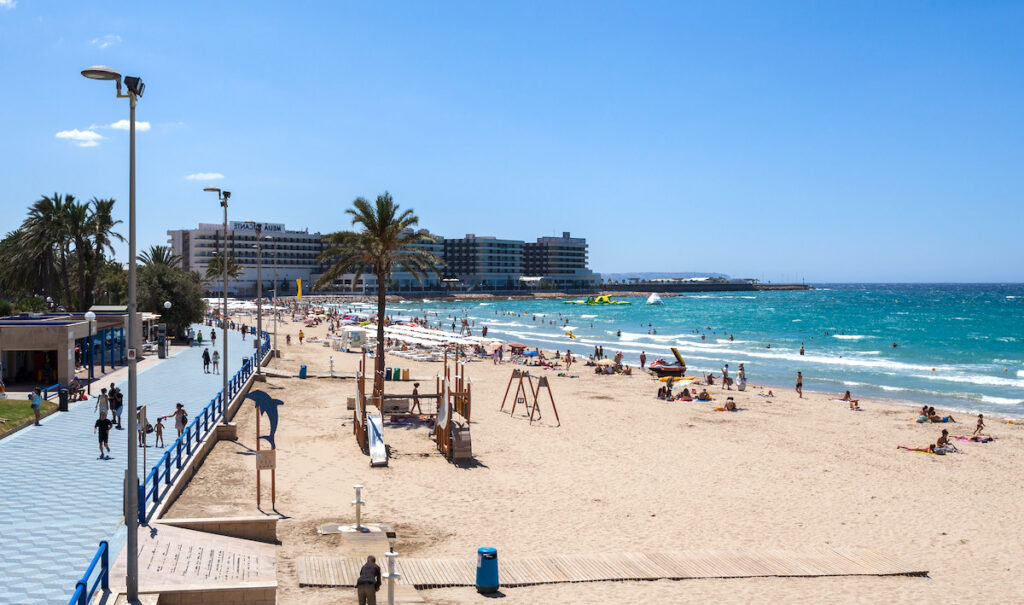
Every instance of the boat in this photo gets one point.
(598, 300)
(654, 299)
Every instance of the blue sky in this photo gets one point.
(840, 141)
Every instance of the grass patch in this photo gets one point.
(18, 413)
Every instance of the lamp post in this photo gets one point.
(275, 298)
(167, 341)
(90, 317)
(131, 484)
(223, 196)
(259, 292)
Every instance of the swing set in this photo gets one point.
(528, 394)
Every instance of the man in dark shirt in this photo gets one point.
(369, 582)
(103, 426)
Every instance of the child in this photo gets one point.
(981, 424)
(103, 426)
(159, 432)
(216, 362)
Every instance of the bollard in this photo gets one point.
(359, 505)
(393, 576)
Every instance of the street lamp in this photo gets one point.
(259, 291)
(131, 488)
(275, 299)
(90, 317)
(223, 196)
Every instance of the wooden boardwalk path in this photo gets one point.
(527, 571)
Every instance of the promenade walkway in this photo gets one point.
(58, 499)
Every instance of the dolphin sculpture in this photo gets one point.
(267, 405)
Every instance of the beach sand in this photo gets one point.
(626, 472)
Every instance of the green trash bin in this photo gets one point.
(397, 375)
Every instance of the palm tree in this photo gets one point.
(385, 241)
(159, 255)
(215, 269)
(100, 229)
(45, 245)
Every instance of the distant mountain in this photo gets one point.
(659, 275)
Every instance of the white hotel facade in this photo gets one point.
(292, 253)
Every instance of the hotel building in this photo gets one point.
(293, 254)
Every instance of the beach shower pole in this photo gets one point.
(223, 196)
(359, 504)
(392, 575)
(131, 479)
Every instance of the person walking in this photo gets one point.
(180, 418)
(102, 403)
(199, 338)
(35, 398)
(115, 400)
(216, 362)
(103, 426)
(369, 582)
(643, 359)
(302, 336)
(206, 360)
(800, 384)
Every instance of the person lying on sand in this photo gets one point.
(936, 418)
(730, 405)
(685, 395)
(704, 395)
(976, 438)
(768, 394)
(928, 450)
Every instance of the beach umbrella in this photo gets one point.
(530, 354)
(517, 345)
(605, 362)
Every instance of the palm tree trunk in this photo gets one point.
(378, 375)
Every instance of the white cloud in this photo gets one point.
(82, 138)
(8, 3)
(103, 42)
(204, 176)
(125, 125)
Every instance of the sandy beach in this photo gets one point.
(626, 472)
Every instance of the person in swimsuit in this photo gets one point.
(981, 425)
(800, 384)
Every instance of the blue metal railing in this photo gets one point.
(50, 390)
(169, 466)
(83, 590)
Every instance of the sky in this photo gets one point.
(786, 141)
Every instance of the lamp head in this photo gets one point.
(215, 189)
(90, 316)
(135, 85)
(167, 304)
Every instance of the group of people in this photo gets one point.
(928, 415)
(110, 403)
(665, 394)
(211, 359)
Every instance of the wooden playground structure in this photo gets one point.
(528, 394)
(453, 398)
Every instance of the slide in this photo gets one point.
(375, 432)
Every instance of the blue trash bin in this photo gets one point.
(302, 371)
(487, 570)
(387, 373)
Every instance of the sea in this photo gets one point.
(958, 346)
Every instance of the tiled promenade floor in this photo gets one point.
(58, 500)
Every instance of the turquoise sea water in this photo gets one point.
(972, 335)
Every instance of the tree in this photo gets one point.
(386, 240)
(159, 283)
(215, 269)
(159, 255)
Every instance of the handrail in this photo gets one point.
(167, 468)
(84, 592)
(46, 391)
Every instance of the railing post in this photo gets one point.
(142, 503)
(80, 590)
(156, 484)
(105, 565)
(167, 468)
(178, 448)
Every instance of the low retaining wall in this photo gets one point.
(261, 529)
(250, 595)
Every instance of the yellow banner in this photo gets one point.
(299, 282)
